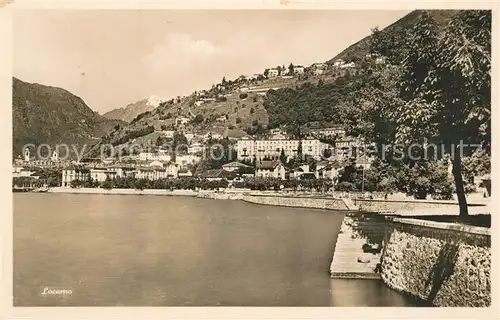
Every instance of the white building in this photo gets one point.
(69, 175)
(151, 173)
(99, 174)
(270, 169)
(187, 159)
(348, 65)
(181, 121)
(298, 69)
(235, 166)
(247, 148)
(329, 132)
(19, 171)
(272, 73)
(318, 72)
(189, 136)
(380, 60)
(195, 148)
(150, 156)
(338, 63)
(27, 155)
(185, 173)
(146, 156)
(212, 135)
(169, 133)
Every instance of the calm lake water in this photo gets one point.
(113, 250)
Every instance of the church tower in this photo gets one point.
(26, 155)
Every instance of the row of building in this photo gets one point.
(161, 170)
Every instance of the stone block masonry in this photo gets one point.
(299, 202)
(447, 265)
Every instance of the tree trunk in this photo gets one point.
(459, 184)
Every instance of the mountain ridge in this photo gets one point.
(132, 110)
(52, 115)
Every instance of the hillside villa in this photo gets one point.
(270, 168)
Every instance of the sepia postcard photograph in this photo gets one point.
(201, 157)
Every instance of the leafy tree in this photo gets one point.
(163, 127)
(283, 157)
(238, 120)
(266, 73)
(252, 111)
(290, 68)
(179, 143)
(107, 184)
(447, 88)
(198, 119)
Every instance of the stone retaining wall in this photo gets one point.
(444, 264)
(375, 205)
(316, 203)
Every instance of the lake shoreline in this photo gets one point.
(117, 191)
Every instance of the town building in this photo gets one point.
(329, 171)
(184, 173)
(247, 148)
(72, 174)
(338, 63)
(150, 156)
(270, 169)
(217, 175)
(236, 166)
(195, 148)
(336, 131)
(272, 73)
(221, 119)
(298, 69)
(27, 155)
(318, 72)
(151, 173)
(212, 135)
(186, 159)
(189, 136)
(20, 171)
(348, 65)
(180, 121)
(169, 133)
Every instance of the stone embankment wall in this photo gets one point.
(316, 203)
(375, 205)
(278, 200)
(447, 265)
(220, 195)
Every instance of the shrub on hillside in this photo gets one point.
(243, 95)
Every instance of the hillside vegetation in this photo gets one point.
(49, 115)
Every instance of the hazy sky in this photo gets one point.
(112, 58)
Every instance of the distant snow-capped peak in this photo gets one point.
(155, 100)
